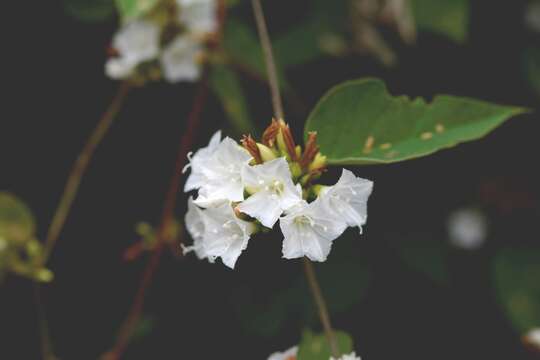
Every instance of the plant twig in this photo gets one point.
(321, 306)
(79, 168)
(186, 141)
(45, 338)
(268, 57)
(278, 110)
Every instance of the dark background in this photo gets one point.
(54, 95)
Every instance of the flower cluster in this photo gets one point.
(292, 353)
(245, 188)
(168, 43)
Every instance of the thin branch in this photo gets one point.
(186, 141)
(78, 170)
(278, 110)
(269, 58)
(45, 337)
(321, 306)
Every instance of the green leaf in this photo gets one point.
(516, 272)
(17, 224)
(359, 122)
(90, 10)
(132, 9)
(316, 347)
(228, 89)
(447, 17)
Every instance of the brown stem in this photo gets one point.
(79, 168)
(321, 306)
(278, 110)
(268, 58)
(186, 141)
(45, 338)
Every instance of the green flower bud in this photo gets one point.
(267, 154)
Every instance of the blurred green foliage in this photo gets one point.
(316, 346)
(20, 251)
(268, 318)
(531, 63)
(132, 9)
(516, 276)
(227, 87)
(447, 17)
(90, 10)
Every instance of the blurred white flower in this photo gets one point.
(222, 174)
(196, 162)
(351, 356)
(272, 188)
(179, 59)
(532, 16)
(285, 355)
(348, 198)
(225, 235)
(196, 227)
(309, 229)
(199, 16)
(467, 229)
(532, 337)
(135, 42)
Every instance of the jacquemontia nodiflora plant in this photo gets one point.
(250, 186)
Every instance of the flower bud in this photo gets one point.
(270, 134)
(44, 275)
(296, 170)
(251, 146)
(266, 153)
(311, 150)
(317, 189)
(285, 141)
(318, 163)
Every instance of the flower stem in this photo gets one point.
(321, 306)
(186, 141)
(269, 58)
(45, 337)
(278, 110)
(79, 168)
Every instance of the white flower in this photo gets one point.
(225, 235)
(196, 227)
(348, 198)
(351, 356)
(179, 59)
(221, 174)
(467, 229)
(135, 42)
(199, 16)
(286, 355)
(119, 68)
(309, 230)
(197, 162)
(273, 191)
(533, 337)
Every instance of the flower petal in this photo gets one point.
(263, 207)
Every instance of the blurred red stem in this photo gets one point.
(186, 143)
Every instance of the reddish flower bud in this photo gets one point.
(251, 146)
(288, 140)
(270, 134)
(310, 151)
